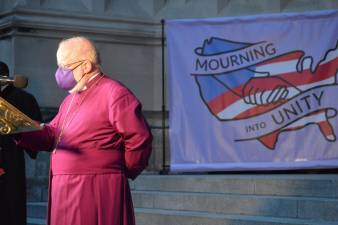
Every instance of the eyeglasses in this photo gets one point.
(69, 64)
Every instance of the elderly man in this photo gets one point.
(99, 138)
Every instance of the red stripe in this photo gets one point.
(326, 128)
(221, 102)
(257, 110)
(323, 72)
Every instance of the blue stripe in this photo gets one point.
(212, 87)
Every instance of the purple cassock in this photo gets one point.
(102, 139)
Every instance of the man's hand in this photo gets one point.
(265, 90)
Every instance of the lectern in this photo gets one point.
(14, 121)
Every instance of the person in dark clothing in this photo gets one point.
(12, 161)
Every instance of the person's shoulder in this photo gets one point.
(23, 93)
(115, 87)
(117, 91)
(107, 80)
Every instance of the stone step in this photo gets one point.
(37, 210)
(145, 216)
(321, 185)
(37, 189)
(305, 196)
(35, 221)
(175, 217)
(311, 185)
(255, 205)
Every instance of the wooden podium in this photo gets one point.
(14, 121)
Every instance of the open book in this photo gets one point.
(14, 121)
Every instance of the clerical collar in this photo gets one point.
(94, 76)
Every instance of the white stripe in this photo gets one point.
(240, 106)
(333, 54)
(277, 68)
(327, 81)
(234, 109)
(290, 66)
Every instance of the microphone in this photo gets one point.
(18, 81)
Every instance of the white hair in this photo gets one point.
(76, 49)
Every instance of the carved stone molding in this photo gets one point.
(53, 24)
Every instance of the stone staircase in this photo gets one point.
(229, 200)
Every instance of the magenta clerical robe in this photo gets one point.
(103, 140)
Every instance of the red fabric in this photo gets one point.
(105, 140)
